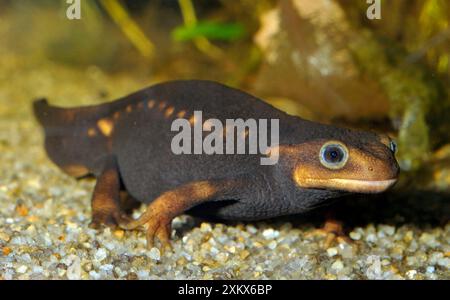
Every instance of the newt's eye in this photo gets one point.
(393, 146)
(333, 155)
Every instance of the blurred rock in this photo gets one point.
(307, 59)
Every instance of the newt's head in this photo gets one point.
(349, 161)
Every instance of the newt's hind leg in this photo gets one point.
(105, 202)
(160, 213)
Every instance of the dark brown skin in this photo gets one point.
(125, 144)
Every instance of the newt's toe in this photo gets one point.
(163, 234)
(99, 222)
(158, 227)
(333, 231)
(111, 219)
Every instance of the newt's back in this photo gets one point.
(143, 135)
(137, 130)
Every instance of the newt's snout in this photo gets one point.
(336, 165)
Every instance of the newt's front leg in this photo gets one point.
(106, 198)
(160, 212)
(333, 230)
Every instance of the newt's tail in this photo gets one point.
(56, 121)
(66, 137)
(50, 116)
(42, 111)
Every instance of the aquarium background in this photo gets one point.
(325, 61)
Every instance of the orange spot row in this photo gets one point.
(106, 125)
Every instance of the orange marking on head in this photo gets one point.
(181, 114)
(116, 115)
(129, 108)
(92, 132)
(106, 126)
(151, 104)
(169, 111)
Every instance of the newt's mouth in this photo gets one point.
(349, 185)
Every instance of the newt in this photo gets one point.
(126, 146)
